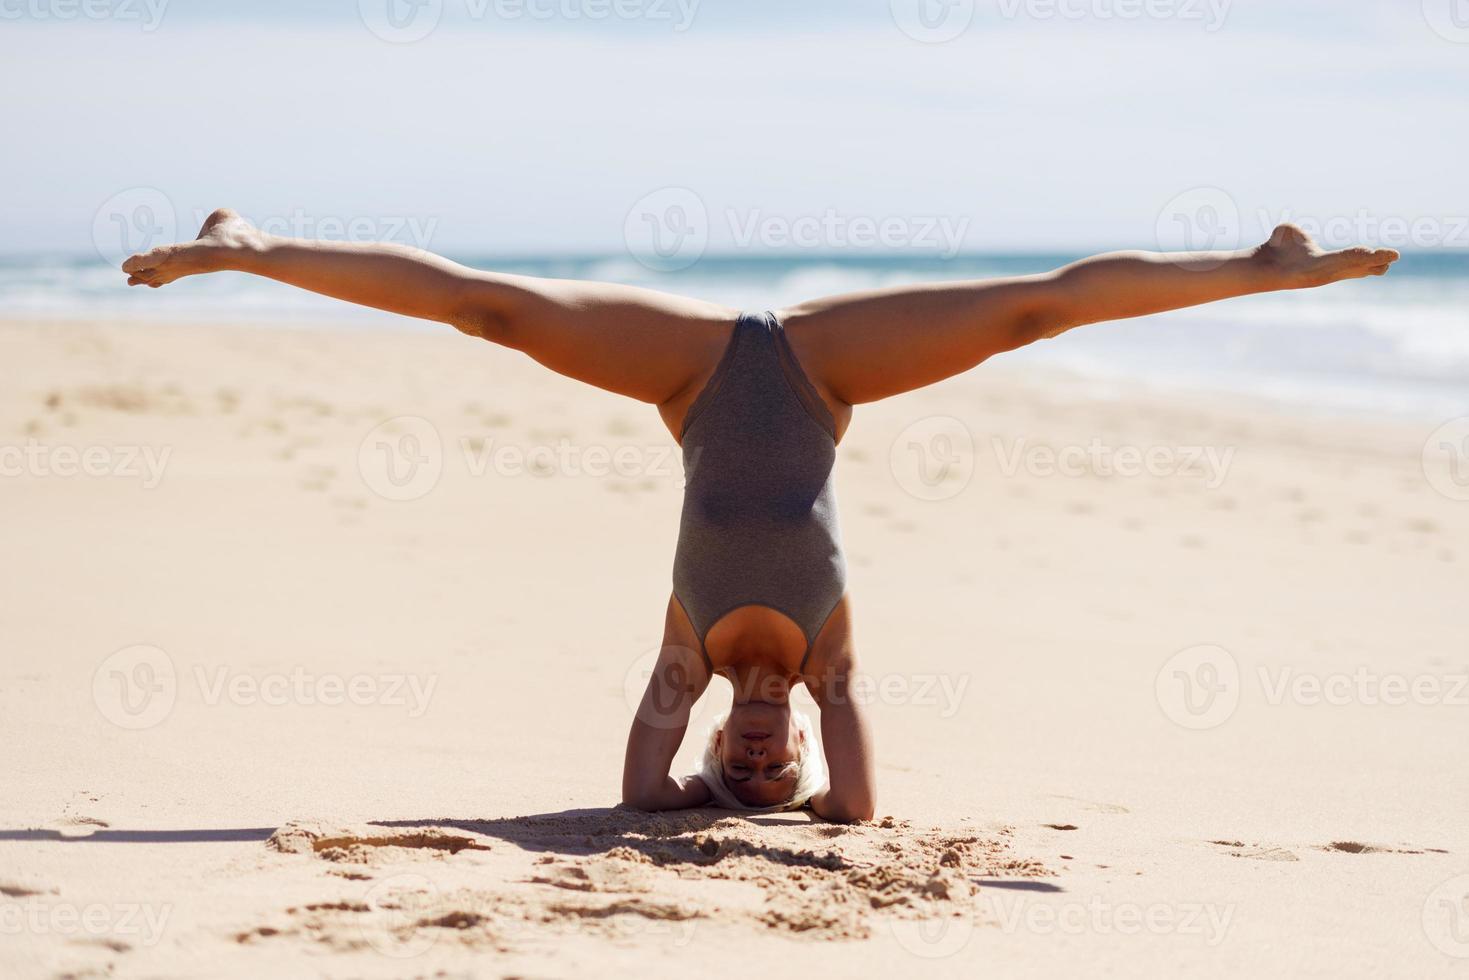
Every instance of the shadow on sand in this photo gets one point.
(664, 838)
(679, 836)
(103, 836)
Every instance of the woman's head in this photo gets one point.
(763, 756)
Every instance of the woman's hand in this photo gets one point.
(847, 741)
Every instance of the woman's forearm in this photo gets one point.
(674, 793)
(383, 275)
(1119, 285)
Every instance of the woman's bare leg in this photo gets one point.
(648, 345)
(866, 346)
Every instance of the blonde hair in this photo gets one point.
(810, 768)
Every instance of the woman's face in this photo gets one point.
(758, 747)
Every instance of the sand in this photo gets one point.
(278, 702)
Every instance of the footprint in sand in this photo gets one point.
(111, 945)
(1095, 807)
(343, 846)
(269, 426)
(132, 399)
(551, 437)
(75, 822)
(600, 877)
(311, 409)
(12, 888)
(1352, 847)
(1255, 852)
(317, 478)
(1355, 847)
(79, 826)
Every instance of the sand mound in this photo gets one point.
(497, 883)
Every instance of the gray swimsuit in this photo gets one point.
(759, 522)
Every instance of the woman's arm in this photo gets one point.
(846, 738)
(678, 679)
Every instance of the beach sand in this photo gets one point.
(263, 720)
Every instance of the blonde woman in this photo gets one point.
(758, 402)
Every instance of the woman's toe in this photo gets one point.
(145, 262)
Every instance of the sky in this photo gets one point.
(543, 126)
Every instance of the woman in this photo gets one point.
(758, 403)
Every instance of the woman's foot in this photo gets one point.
(1298, 262)
(225, 235)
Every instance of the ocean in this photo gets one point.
(1397, 346)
